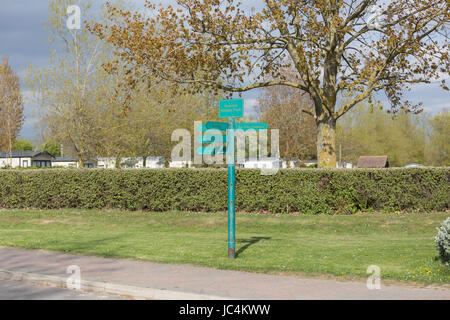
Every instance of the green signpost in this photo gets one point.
(229, 109)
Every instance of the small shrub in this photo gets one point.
(443, 241)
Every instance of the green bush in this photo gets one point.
(443, 241)
(309, 191)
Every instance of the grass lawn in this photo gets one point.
(402, 245)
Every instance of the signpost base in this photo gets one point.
(231, 254)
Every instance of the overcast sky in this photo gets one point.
(24, 41)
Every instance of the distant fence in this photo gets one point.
(309, 191)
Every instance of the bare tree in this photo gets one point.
(284, 108)
(11, 107)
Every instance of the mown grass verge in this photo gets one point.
(402, 245)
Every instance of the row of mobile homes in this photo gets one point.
(25, 159)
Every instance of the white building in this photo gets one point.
(414, 165)
(26, 159)
(65, 162)
(344, 165)
(155, 162)
(150, 162)
(296, 163)
(293, 163)
(263, 163)
(131, 162)
(180, 164)
(106, 163)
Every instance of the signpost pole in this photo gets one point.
(231, 189)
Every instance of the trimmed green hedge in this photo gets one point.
(290, 190)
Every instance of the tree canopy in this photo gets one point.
(334, 46)
(22, 145)
(83, 109)
(52, 147)
(438, 148)
(284, 107)
(367, 131)
(403, 137)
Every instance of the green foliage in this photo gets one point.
(366, 131)
(85, 110)
(443, 241)
(22, 145)
(53, 148)
(309, 191)
(438, 148)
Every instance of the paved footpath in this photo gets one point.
(183, 279)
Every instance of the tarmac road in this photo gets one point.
(17, 290)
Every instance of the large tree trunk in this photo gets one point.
(326, 141)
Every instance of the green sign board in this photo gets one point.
(251, 126)
(222, 126)
(233, 108)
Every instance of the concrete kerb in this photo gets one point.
(140, 293)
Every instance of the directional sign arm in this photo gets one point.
(212, 138)
(222, 126)
(251, 126)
